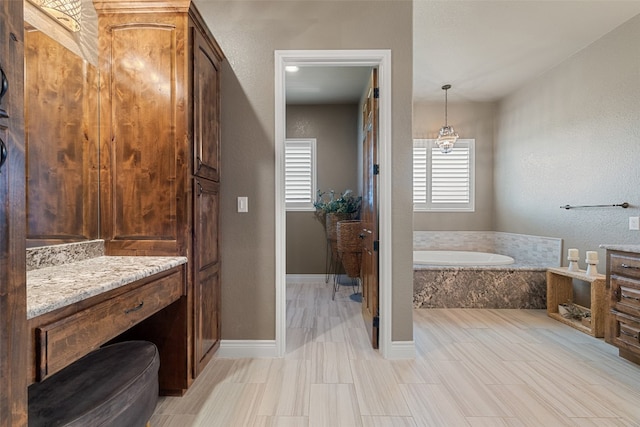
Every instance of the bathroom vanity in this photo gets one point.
(78, 299)
(140, 170)
(623, 283)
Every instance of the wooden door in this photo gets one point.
(370, 211)
(206, 272)
(13, 310)
(206, 107)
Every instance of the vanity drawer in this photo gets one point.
(625, 295)
(64, 341)
(626, 332)
(622, 265)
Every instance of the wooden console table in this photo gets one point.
(560, 290)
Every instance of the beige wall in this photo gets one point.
(573, 137)
(335, 128)
(471, 120)
(249, 32)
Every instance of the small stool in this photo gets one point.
(116, 385)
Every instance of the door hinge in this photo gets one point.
(376, 169)
(376, 245)
(376, 321)
(376, 92)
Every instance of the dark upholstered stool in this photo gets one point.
(116, 385)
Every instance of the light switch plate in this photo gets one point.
(634, 223)
(243, 204)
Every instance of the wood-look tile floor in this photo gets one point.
(473, 368)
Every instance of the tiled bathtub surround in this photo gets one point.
(518, 285)
(532, 251)
(49, 256)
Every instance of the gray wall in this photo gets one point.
(249, 32)
(573, 137)
(471, 120)
(335, 128)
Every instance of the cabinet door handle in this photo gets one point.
(5, 84)
(631, 298)
(136, 308)
(623, 265)
(4, 87)
(198, 164)
(200, 189)
(3, 153)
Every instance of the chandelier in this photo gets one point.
(447, 136)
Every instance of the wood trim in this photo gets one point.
(13, 323)
(133, 6)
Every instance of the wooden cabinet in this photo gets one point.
(623, 278)
(206, 117)
(65, 335)
(61, 101)
(207, 272)
(160, 148)
(13, 317)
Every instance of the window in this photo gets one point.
(300, 174)
(443, 182)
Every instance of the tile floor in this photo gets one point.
(473, 368)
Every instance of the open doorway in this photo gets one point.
(367, 59)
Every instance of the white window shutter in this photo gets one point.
(443, 182)
(300, 173)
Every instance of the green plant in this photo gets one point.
(347, 202)
(327, 203)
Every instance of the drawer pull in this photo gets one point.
(136, 308)
(631, 298)
(629, 334)
(623, 265)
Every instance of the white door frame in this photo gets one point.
(361, 58)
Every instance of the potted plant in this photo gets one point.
(331, 209)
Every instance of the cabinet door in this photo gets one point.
(13, 315)
(206, 109)
(142, 153)
(207, 272)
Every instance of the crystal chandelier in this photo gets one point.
(65, 12)
(447, 136)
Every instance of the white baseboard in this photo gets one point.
(239, 349)
(401, 350)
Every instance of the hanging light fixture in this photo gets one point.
(65, 12)
(447, 136)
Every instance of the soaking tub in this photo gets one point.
(460, 258)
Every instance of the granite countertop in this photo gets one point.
(54, 287)
(624, 248)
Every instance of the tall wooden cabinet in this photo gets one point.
(13, 315)
(160, 150)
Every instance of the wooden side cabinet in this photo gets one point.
(623, 276)
(560, 290)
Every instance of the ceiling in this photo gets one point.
(484, 49)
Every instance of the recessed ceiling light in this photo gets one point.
(292, 68)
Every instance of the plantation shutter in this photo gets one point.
(300, 173)
(443, 182)
(419, 173)
(450, 176)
